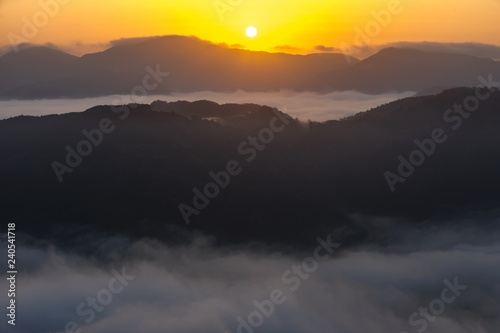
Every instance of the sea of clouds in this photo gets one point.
(201, 288)
(305, 105)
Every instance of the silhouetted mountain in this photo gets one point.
(394, 69)
(32, 65)
(196, 65)
(309, 177)
(193, 65)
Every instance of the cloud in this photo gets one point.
(79, 48)
(232, 46)
(323, 48)
(472, 49)
(23, 46)
(137, 40)
(304, 105)
(362, 51)
(286, 49)
(237, 46)
(131, 41)
(199, 288)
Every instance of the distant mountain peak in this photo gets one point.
(32, 50)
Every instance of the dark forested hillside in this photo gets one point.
(289, 178)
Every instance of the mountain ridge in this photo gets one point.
(223, 69)
(153, 160)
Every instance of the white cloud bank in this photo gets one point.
(305, 105)
(198, 288)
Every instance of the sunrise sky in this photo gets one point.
(88, 24)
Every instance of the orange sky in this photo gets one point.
(303, 24)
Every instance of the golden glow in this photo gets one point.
(296, 23)
(251, 32)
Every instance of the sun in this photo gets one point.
(251, 32)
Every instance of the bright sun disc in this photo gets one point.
(251, 32)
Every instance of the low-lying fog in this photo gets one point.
(305, 105)
(434, 279)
